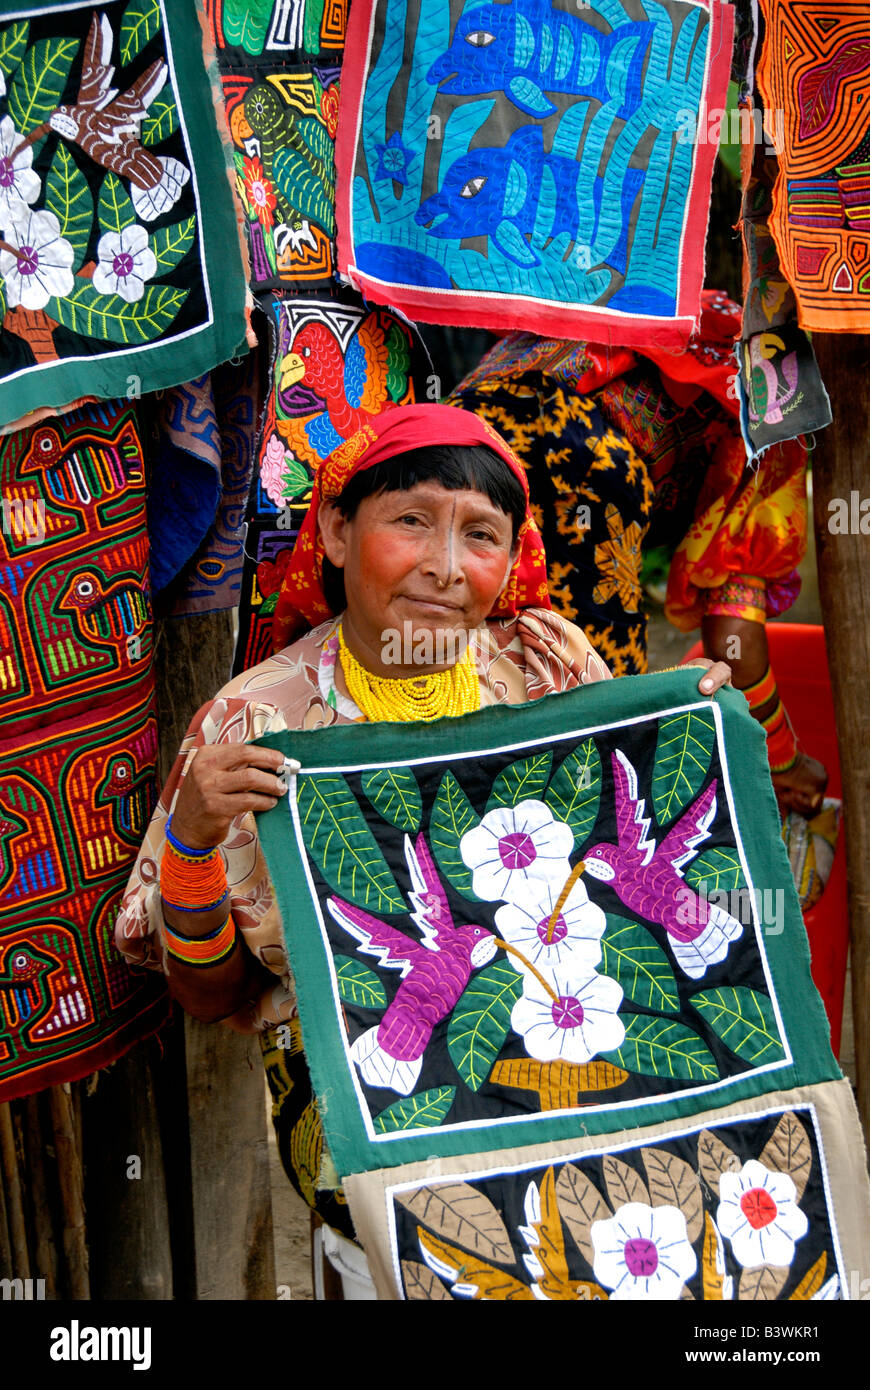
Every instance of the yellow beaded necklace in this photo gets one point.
(443, 693)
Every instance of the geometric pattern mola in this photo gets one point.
(77, 742)
(530, 165)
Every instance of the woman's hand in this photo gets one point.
(802, 787)
(716, 674)
(223, 781)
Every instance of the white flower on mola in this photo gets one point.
(515, 849)
(574, 939)
(42, 267)
(643, 1252)
(18, 182)
(759, 1214)
(126, 261)
(575, 1026)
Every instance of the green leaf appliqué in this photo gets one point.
(39, 82)
(395, 794)
(340, 842)
(422, 1111)
(359, 985)
(452, 816)
(523, 780)
(631, 956)
(115, 210)
(162, 120)
(13, 45)
(108, 316)
(683, 750)
(744, 1020)
(139, 24)
(68, 196)
(481, 1021)
(718, 869)
(663, 1047)
(171, 244)
(574, 794)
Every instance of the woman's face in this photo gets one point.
(418, 563)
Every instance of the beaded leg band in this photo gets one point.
(781, 742)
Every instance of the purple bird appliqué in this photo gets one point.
(649, 881)
(435, 971)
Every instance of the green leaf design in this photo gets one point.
(683, 750)
(340, 842)
(139, 25)
(2, 300)
(481, 1021)
(395, 794)
(574, 794)
(718, 869)
(39, 82)
(663, 1047)
(162, 120)
(523, 780)
(452, 815)
(295, 480)
(13, 45)
(115, 210)
(110, 317)
(68, 196)
(425, 1110)
(171, 244)
(245, 24)
(632, 957)
(359, 985)
(744, 1020)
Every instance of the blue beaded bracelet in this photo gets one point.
(185, 849)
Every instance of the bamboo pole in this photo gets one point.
(45, 1247)
(841, 481)
(14, 1202)
(6, 1263)
(69, 1171)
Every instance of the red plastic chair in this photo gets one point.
(800, 662)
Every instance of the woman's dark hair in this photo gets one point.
(455, 466)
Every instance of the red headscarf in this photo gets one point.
(302, 602)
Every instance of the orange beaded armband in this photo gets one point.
(212, 949)
(192, 886)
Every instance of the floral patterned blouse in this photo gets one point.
(518, 659)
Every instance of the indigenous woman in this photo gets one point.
(418, 583)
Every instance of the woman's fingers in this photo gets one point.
(717, 674)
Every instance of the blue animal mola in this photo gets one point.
(497, 192)
(527, 49)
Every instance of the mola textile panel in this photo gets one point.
(551, 971)
(529, 166)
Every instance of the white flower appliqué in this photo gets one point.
(575, 1026)
(514, 849)
(759, 1214)
(126, 261)
(643, 1252)
(18, 181)
(42, 267)
(574, 939)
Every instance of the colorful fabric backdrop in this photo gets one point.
(557, 923)
(334, 366)
(121, 269)
(279, 67)
(814, 70)
(78, 743)
(531, 167)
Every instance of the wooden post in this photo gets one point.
(230, 1196)
(71, 1179)
(841, 481)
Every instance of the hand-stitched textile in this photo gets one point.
(277, 26)
(767, 1200)
(120, 267)
(283, 121)
(335, 366)
(199, 485)
(814, 69)
(464, 985)
(526, 166)
(77, 742)
(781, 390)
